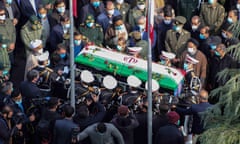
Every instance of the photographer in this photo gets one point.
(7, 128)
(63, 128)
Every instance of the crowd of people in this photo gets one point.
(193, 36)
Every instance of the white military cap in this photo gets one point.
(133, 81)
(191, 60)
(168, 55)
(134, 50)
(44, 56)
(35, 43)
(86, 76)
(109, 82)
(155, 85)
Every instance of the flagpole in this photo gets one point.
(72, 65)
(149, 68)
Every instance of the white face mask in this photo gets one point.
(110, 12)
(141, 7)
(192, 51)
(238, 6)
(2, 17)
(120, 1)
(194, 27)
(224, 35)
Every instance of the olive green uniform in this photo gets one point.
(124, 9)
(212, 16)
(174, 45)
(29, 33)
(94, 34)
(134, 14)
(187, 8)
(144, 44)
(7, 29)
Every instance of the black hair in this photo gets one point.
(83, 111)
(101, 127)
(68, 110)
(15, 93)
(57, 2)
(194, 41)
(61, 46)
(32, 74)
(64, 18)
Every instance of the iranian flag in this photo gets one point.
(150, 19)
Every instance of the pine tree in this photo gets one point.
(222, 121)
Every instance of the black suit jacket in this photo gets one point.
(27, 9)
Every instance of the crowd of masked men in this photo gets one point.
(193, 36)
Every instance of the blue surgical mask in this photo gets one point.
(5, 72)
(176, 28)
(42, 15)
(67, 26)
(4, 45)
(217, 54)
(163, 62)
(61, 9)
(77, 42)
(120, 27)
(96, 4)
(167, 22)
(230, 20)
(213, 47)
(18, 102)
(201, 36)
(62, 55)
(90, 24)
(210, 1)
(185, 66)
(9, 1)
(119, 48)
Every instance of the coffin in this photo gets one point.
(125, 65)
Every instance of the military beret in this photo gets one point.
(136, 35)
(123, 110)
(194, 41)
(116, 18)
(141, 1)
(173, 117)
(89, 18)
(34, 19)
(214, 40)
(180, 20)
(3, 39)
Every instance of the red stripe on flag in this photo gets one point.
(75, 14)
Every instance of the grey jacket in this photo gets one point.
(105, 138)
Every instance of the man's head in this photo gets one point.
(141, 4)
(173, 117)
(89, 21)
(16, 96)
(53, 103)
(101, 128)
(123, 110)
(83, 111)
(141, 21)
(6, 88)
(203, 96)
(118, 22)
(7, 112)
(195, 22)
(60, 6)
(2, 14)
(192, 45)
(32, 76)
(204, 33)
(110, 7)
(232, 16)
(65, 21)
(179, 22)
(42, 12)
(36, 46)
(220, 51)
(61, 50)
(68, 111)
(77, 38)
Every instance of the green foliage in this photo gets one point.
(222, 121)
